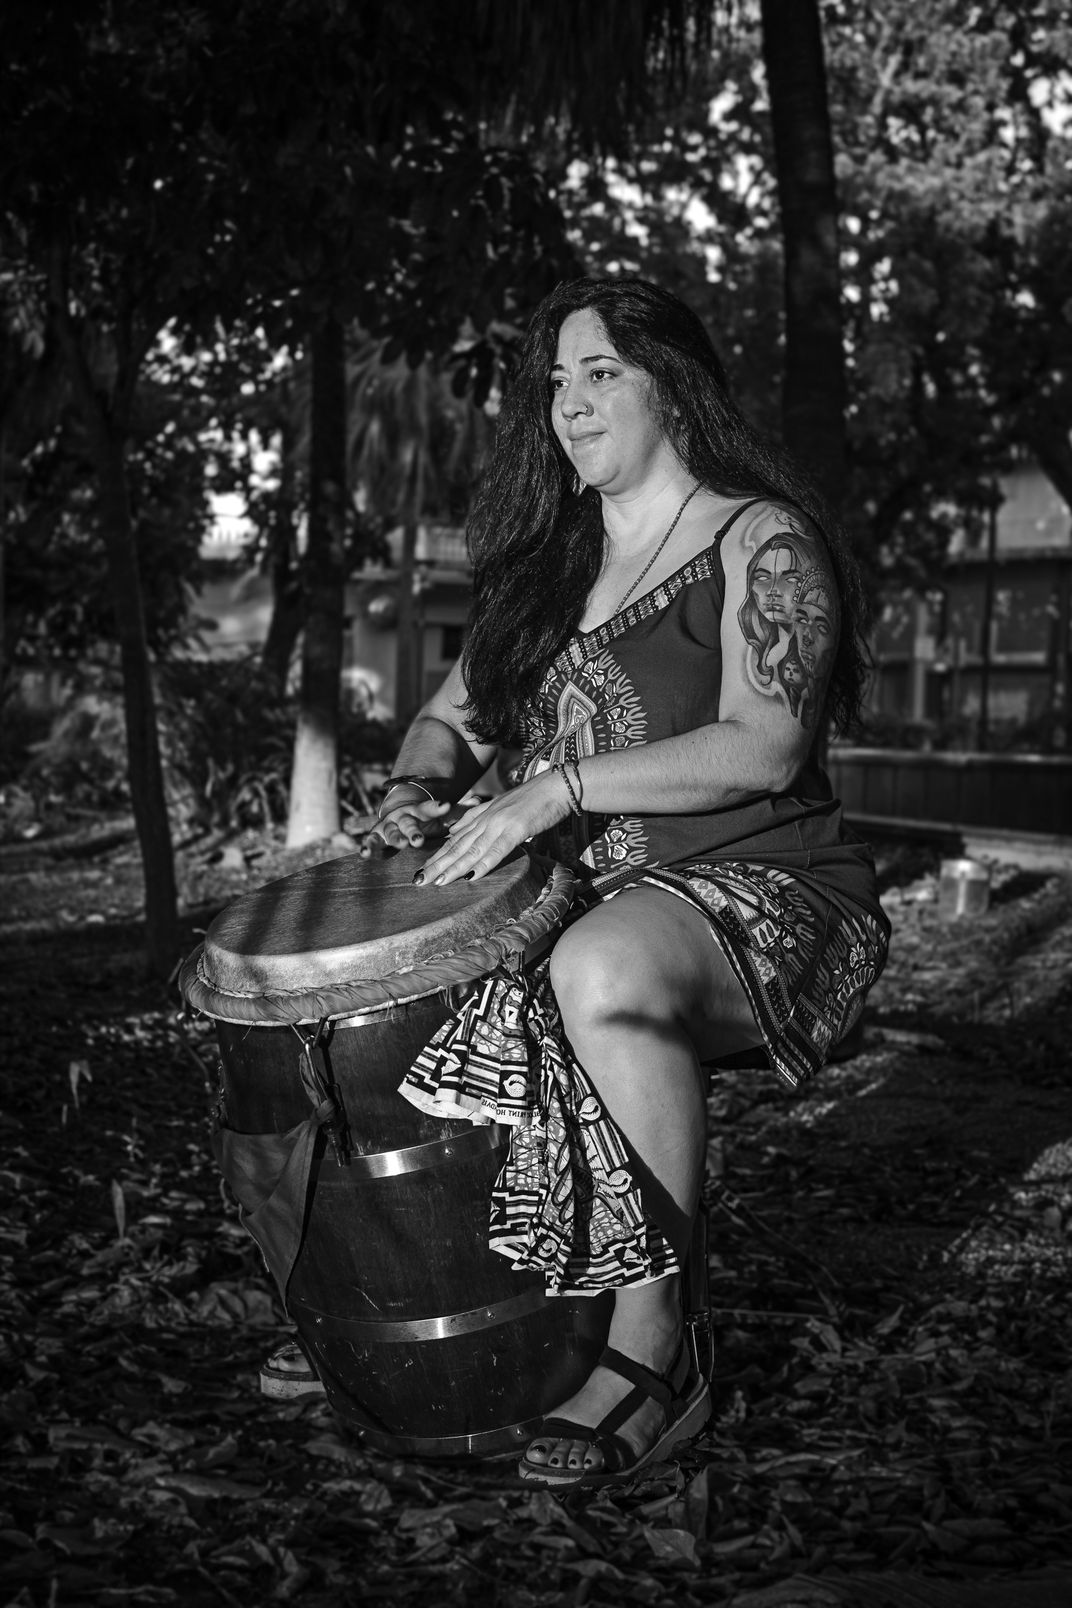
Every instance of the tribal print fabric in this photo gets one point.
(566, 1202)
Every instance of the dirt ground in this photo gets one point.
(891, 1250)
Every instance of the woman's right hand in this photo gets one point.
(407, 825)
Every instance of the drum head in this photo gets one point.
(354, 934)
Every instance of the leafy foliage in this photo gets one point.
(955, 143)
(952, 138)
(229, 741)
(81, 765)
(60, 604)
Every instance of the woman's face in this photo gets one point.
(774, 581)
(813, 626)
(601, 410)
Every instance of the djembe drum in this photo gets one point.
(372, 1215)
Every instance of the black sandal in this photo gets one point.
(683, 1394)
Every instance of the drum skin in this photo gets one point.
(427, 1342)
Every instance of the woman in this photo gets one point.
(616, 540)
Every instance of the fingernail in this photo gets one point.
(418, 877)
(469, 875)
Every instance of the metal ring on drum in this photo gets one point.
(371, 1214)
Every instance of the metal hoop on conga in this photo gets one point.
(372, 1215)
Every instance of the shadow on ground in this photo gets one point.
(890, 1259)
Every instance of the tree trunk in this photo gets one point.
(106, 427)
(814, 392)
(3, 554)
(143, 744)
(407, 692)
(314, 782)
(284, 628)
(288, 607)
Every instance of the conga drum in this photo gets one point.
(372, 1215)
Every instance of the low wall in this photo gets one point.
(1009, 792)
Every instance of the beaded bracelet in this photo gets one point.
(574, 800)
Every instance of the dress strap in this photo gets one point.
(735, 516)
(767, 497)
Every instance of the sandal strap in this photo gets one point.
(616, 1451)
(563, 1429)
(656, 1387)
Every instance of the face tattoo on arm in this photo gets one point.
(789, 619)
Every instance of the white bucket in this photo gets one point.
(963, 888)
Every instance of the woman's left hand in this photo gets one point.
(488, 832)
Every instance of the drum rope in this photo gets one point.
(319, 1087)
(432, 975)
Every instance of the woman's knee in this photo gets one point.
(596, 972)
(648, 960)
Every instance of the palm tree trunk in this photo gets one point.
(314, 782)
(814, 393)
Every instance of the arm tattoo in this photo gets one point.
(789, 620)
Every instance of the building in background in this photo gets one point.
(441, 582)
(984, 659)
(235, 606)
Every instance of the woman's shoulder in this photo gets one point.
(764, 517)
(769, 532)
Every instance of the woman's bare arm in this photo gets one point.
(779, 632)
(439, 746)
(439, 742)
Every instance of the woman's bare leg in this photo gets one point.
(645, 994)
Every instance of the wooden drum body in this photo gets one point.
(426, 1341)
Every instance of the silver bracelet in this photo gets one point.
(403, 781)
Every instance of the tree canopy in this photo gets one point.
(180, 182)
(952, 129)
(287, 166)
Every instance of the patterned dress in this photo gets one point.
(788, 892)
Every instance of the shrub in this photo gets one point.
(229, 743)
(81, 765)
(226, 740)
(23, 728)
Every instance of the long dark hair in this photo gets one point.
(537, 549)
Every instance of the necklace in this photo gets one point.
(673, 526)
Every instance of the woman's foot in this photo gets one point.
(601, 1392)
(645, 1361)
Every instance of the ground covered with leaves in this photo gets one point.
(891, 1251)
